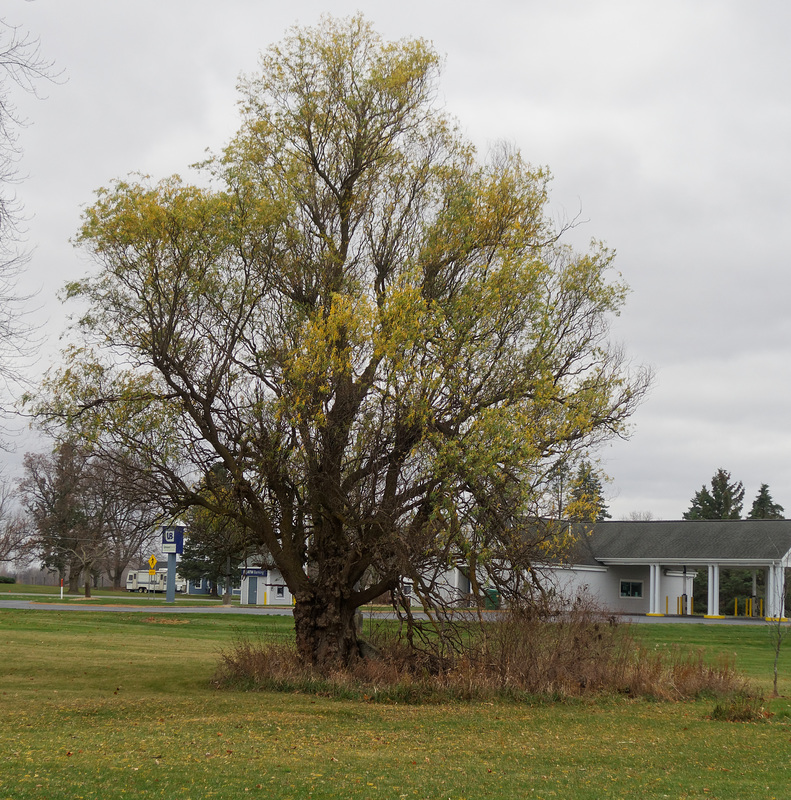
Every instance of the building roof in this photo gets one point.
(687, 542)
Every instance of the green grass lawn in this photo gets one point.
(51, 594)
(117, 704)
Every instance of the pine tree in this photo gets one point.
(215, 547)
(587, 496)
(724, 501)
(764, 507)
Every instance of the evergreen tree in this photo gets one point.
(216, 546)
(587, 496)
(764, 507)
(206, 559)
(724, 501)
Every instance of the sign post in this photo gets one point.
(172, 544)
(152, 570)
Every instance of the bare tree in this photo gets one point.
(87, 512)
(53, 490)
(13, 530)
(21, 66)
(641, 516)
(778, 625)
(128, 510)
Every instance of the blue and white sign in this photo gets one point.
(173, 539)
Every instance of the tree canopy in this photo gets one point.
(375, 332)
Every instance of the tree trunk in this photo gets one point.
(74, 581)
(88, 581)
(778, 634)
(227, 589)
(325, 630)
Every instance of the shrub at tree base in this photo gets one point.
(571, 654)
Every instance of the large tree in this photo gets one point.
(723, 501)
(121, 495)
(377, 334)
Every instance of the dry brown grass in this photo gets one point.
(570, 653)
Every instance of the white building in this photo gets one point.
(629, 567)
(264, 587)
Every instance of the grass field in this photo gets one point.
(51, 594)
(118, 704)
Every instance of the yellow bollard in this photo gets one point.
(735, 606)
(761, 607)
(667, 601)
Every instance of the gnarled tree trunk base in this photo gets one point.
(326, 633)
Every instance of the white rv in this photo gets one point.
(140, 581)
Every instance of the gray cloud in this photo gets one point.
(666, 123)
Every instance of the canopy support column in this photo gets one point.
(713, 609)
(655, 591)
(775, 592)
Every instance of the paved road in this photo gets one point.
(28, 605)
(287, 612)
(695, 620)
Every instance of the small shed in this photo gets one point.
(264, 586)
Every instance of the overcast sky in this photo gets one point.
(666, 125)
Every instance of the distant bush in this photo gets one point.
(523, 654)
(741, 707)
(7, 579)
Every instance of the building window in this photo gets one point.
(631, 588)
(280, 591)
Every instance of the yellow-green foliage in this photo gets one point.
(375, 330)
